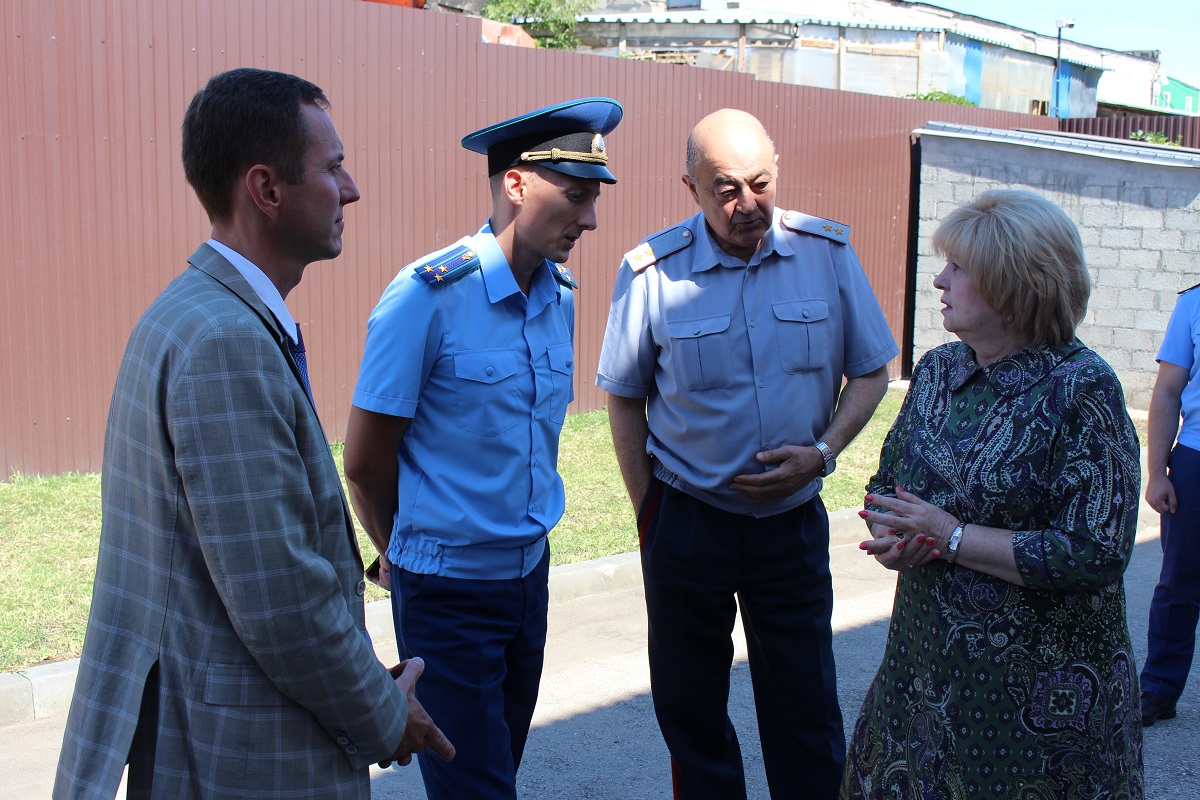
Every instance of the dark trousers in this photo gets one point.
(483, 643)
(695, 560)
(1175, 608)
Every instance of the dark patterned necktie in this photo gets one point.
(297, 348)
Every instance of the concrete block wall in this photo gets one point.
(1140, 225)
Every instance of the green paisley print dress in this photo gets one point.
(988, 689)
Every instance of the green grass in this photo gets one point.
(49, 530)
(50, 527)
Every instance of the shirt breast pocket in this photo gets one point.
(700, 351)
(487, 393)
(562, 370)
(802, 328)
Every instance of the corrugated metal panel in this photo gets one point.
(1185, 129)
(96, 218)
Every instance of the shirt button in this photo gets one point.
(361, 588)
(695, 331)
(803, 314)
(752, 323)
(490, 371)
(762, 384)
(570, 363)
(533, 506)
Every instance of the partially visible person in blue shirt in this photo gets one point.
(452, 442)
(1173, 490)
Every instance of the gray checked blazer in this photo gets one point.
(225, 654)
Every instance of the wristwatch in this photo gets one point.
(954, 542)
(830, 461)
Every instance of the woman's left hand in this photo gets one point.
(910, 533)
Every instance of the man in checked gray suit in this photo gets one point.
(225, 655)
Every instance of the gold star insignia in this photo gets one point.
(442, 269)
(829, 227)
(838, 231)
(467, 256)
(428, 269)
(439, 277)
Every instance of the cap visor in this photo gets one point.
(576, 169)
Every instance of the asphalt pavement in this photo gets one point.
(594, 734)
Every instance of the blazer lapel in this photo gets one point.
(216, 266)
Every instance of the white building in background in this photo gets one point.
(885, 47)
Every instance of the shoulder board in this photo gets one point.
(660, 245)
(563, 275)
(803, 223)
(1185, 291)
(449, 266)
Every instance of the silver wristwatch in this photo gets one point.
(830, 461)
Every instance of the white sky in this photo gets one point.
(1172, 26)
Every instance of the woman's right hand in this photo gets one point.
(895, 552)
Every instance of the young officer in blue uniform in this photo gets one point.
(733, 331)
(1172, 478)
(452, 443)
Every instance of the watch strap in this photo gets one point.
(830, 460)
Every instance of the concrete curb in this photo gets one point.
(45, 691)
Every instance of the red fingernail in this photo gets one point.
(862, 546)
(936, 554)
(891, 531)
(900, 545)
(899, 488)
(919, 538)
(863, 514)
(870, 497)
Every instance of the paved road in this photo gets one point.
(595, 736)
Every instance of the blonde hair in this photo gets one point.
(1026, 258)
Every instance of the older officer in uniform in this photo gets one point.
(452, 443)
(733, 331)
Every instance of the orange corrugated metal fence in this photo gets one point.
(95, 216)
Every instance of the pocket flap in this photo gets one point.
(485, 366)
(561, 358)
(240, 685)
(691, 328)
(801, 310)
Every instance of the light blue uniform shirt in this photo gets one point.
(485, 376)
(1181, 347)
(738, 358)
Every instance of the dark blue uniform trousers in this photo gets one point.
(1175, 608)
(483, 643)
(695, 559)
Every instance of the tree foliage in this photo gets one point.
(550, 22)
(942, 97)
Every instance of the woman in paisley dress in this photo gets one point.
(1006, 499)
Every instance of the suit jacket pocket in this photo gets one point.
(240, 685)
